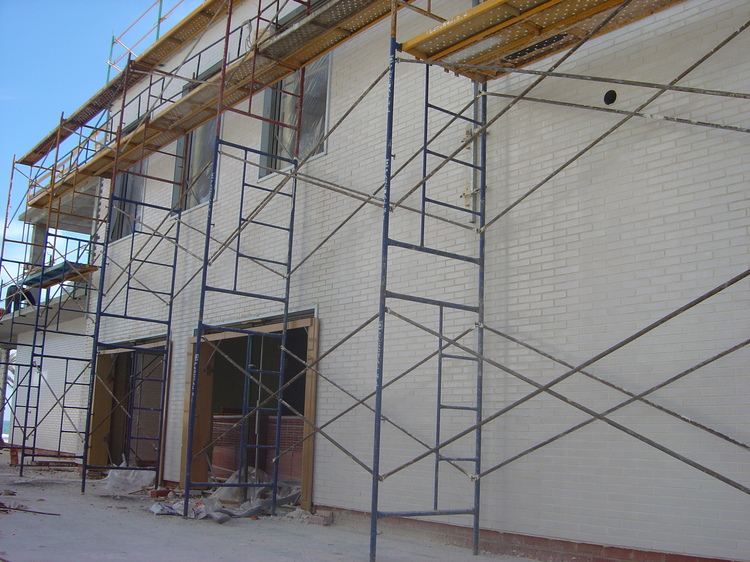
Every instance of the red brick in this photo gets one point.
(594, 549)
(565, 546)
(524, 552)
(537, 542)
(496, 548)
(493, 547)
(645, 556)
(513, 540)
(615, 553)
(687, 558)
(461, 542)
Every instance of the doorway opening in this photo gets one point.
(238, 417)
(127, 408)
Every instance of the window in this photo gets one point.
(128, 193)
(280, 105)
(192, 174)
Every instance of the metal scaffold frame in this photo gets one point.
(204, 349)
(233, 243)
(102, 379)
(442, 444)
(141, 255)
(254, 372)
(447, 342)
(466, 346)
(55, 189)
(437, 302)
(51, 287)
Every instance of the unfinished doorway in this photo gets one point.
(238, 419)
(127, 407)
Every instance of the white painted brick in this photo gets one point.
(651, 218)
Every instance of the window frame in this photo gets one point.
(185, 156)
(184, 153)
(124, 224)
(272, 160)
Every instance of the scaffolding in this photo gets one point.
(76, 218)
(430, 234)
(47, 269)
(262, 214)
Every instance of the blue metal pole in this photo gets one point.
(438, 411)
(102, 275)
(204, 271)
(425, 129)
(167, 360)
(285, 321)
(480, 315)
(382, 307)
(199, 330)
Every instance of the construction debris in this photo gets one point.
(128, 481)
(15, 506)
(213, 506)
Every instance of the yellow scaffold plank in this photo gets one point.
(517, 32)
(329, 24)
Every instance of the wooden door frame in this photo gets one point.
(203, 405)
(102, 396)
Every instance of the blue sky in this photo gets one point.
(53, 58)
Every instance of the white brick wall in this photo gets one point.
(651, 218)
(57, 396)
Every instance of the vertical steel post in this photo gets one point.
(158, 20)
(6, 357)
(167, 358)
(33, 256)
(109, 60)
(438, 410)
(480, 315)
(425, 132)
(383, 285)
(204, 272)
(244, 431)
(102, 275)
(287, 290)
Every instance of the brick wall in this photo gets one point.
(65, 358)
(651, 218)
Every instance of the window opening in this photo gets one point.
(195, 154)
(280, 106)
(128, 193)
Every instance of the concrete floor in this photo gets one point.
(102, 526)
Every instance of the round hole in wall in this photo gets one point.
(610, 97)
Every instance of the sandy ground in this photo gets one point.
(102, 526)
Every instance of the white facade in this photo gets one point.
(652, 217)
(50, 400)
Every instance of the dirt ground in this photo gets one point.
(102, 525)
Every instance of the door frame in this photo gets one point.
(202, 434)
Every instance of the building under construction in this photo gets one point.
(474, 270)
